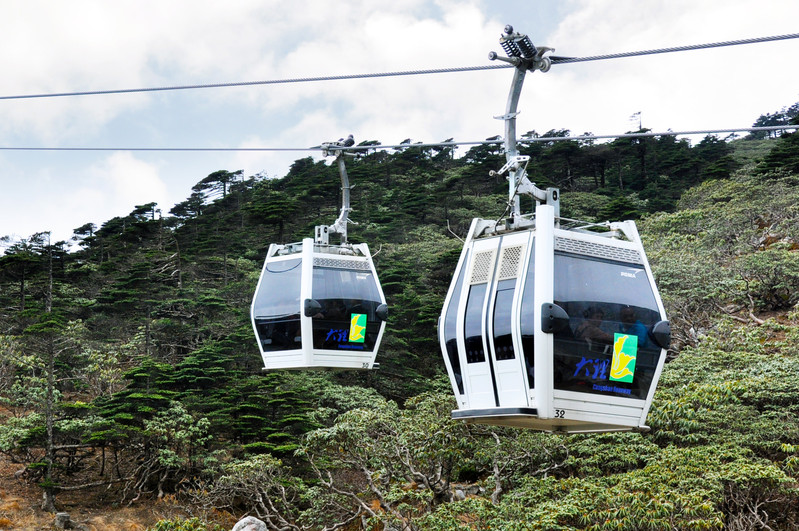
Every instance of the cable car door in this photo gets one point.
(503, 329)
(477, 371)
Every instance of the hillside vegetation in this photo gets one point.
(129, 374)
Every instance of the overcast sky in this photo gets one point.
(83, 45)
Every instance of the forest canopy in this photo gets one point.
(129, 371)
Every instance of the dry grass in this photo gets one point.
(20, 506)
(20, 509)
(96, 509)
(19, 515)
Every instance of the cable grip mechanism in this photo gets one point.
(522, 52)
(515, 163)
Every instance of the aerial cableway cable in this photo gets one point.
(524, 140)
(563, 60)
(555, 60)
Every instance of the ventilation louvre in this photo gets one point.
(481, 268)
(509, 263)
(597, 250)
(334, 263)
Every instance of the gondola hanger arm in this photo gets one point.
(514, 163)
(518, 165)
(627, 228)
(525, 56)
(338, 149)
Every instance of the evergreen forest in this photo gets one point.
(130, 376)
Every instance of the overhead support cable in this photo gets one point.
(667, 133)
(209, 149)
(333, 148)
(563, 60)
(555, 60)
(267, 82)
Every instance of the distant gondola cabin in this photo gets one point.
(318, 306)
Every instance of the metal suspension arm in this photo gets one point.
(338, 149)
(524, 55)
(340, 225)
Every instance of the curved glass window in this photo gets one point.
(451, 327)
(349, 298)
(527, 315)
(503, 305)
(276, 307)
(473, 324)
(607, 349)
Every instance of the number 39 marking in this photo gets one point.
(560, 413)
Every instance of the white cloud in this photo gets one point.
(62, 201)
(723, 87)
(128, 182)
(95, 44)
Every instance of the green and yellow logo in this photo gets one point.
(625, 352)
(358, 328)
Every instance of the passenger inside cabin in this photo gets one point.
(591, 329)
(630, 325)
(336, 310)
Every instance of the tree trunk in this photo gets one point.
(224, 269)
(48, 500)
(22, 291)
(147, 341)
(180, 271)
(48, 497)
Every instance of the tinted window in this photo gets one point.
(611, 307)
(279, 290)
(349, 299)
(276, 307)
(451, 327)
(503, 304)
(527, 316)
(473, 325)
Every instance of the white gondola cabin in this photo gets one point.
(549, 324)
(319, 305)
(553, 329)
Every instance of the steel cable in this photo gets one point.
(268, 82)
(563, 60)
(522, 140)
(554, 59)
